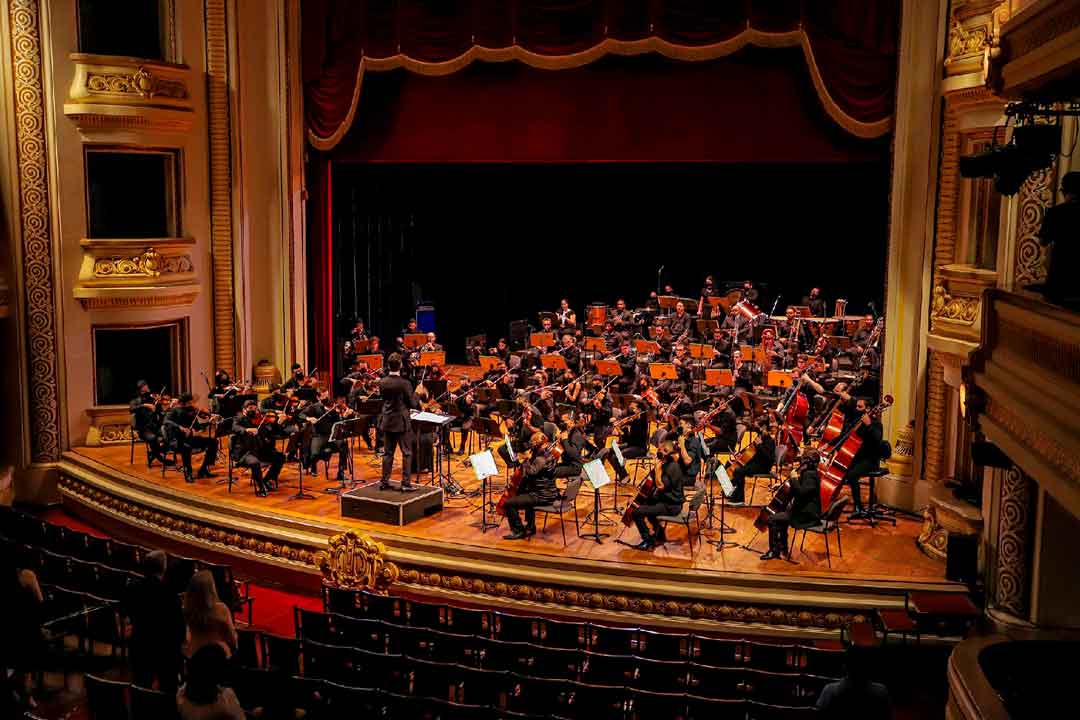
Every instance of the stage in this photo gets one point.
(449, 555)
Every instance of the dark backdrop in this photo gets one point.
(488, 244)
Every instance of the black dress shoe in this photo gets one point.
(204, 473)
(516, 535)
(660, 538)
(645, 545)
(408, 487)
(530, 531)
(188, 478)
(385, 486)
(770, 555)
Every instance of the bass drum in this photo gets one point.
(597, 313)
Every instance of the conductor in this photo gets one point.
(398, 399)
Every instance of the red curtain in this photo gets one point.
(320, 265)
(853, 42)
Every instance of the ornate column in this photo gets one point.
(1012, 566)
(40, 331)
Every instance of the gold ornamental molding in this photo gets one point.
(1063, 459)
(36, 230)
(956, 310)
(121, 92)
(961, 310)
(1040, 45)
(974, 35)
(109, 425)
(353, 560)
(136, 273)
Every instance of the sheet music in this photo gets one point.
(597, 473)
(725, 482)
(704, 447)
(430, 417)
(483, 464)
(618, 453)
(510, 448)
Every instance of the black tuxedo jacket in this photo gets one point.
(398, 398)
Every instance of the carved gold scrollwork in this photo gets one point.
(353, 560)
(1011, 592)
(963, 41)
(149, 263)
(963, 309)
(141, 82)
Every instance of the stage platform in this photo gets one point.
(448, 555)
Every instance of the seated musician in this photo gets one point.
(409, 329)
(435, 371)
(573, 445)
(725, 432)
(793, 328)
(611, 336)
(862, 334)
(667, 500)
(181, 425)
(571, 352)
(252, 445)
(358, 334)
(465, 401)
(321, 416)
(805, 505)
(691, 451)
(815, 302)
(627, 364)
(599, 411)
(741, 371)
(278, 401)
(749, 292)
(721, 344)
(537, 488)
(680, 325)
(374, 348)
(431, 345)
(760, 464)
(622, 318)
(501, 350)
(525, 424)
(633, 438)
(775, 356)
(224, 388)
(147, 415)
(868, 456)
(296, 377)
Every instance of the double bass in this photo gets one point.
(835, 464)
(795, 412)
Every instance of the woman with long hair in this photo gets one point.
(209, 620)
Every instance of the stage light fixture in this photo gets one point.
(1032, 148)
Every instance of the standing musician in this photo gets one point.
(680, 326)
(537, 488)
(566, 316)
(321, 416)
(253, 444)
(805, 505)
(868, 456)
(622, 318)
(394, 422)
(147, 414)
(815, 302)
(358, 334)
(668, 500)
(707, 291)
(180, 425)
(760, 464)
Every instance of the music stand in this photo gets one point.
(719, 377)
(553, 361)
(702, 351)
(414, 340)
(595, 344)
(706, 326)
(597, 475)
(802, 311)
(303, 442)
(374, 362)
(483, 464)
(663, 371)
(840, 342)
(432, 356)
(726, 488)
(360, 346)
(541, 340)
(646, 347)
(489, 362)
(779, 378)
(609, 368)
(340, 432)
(667, 302)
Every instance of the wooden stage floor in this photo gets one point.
(880, 553)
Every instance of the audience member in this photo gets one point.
(202, 697)
(209, 621)
(158, 627)
(24, 642)
(855, 696)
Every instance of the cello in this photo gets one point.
(795, 411)
(834, 465)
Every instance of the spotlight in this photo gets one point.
(1032, 148)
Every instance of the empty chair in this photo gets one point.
(83, 576)
(614, 640)
(649, 705)
(768, 711)
(281, 653)
(114, 583)
(54, 538)
(432, 679)
(661, 675)
(314, 625)
(547, 662)
(422, 614)
(770, 656)
(773, 687)
(662, 645)
(307, 694)
(539, 631)
(604, 669)
(148, 704)
(178, 572)
(126, 556)
(535, 696)
(340, 600)
(465, 621)
(380, 607)
(103, 625)
(75, 544)
(716, 682)
(594, 702)
(106, 699)
(323, 660)
(820, 661)
(447, 710)
(349, 701)
(254, 687)
(249, 647)
(477, 686)
(707, 708)
(55, 569)
(97, 549)
(717, 652)
(364, 633)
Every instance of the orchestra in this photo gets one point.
(793, 394)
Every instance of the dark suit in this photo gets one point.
(805, 507)
(395, 425)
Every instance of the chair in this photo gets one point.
(54, 538)
(126, 556)
(254, 687)
(753, 480)
(594, 702)
(649, 705)
(725, 683)
(683, 518)
(248, 647)
(717, 652)
(114, 583)
(613, 640)
(477, 686)
(373, 635)
(178, 572)
(147, 704)
(768, 711)
(75, 544)
(314, 625)
(551, 633)
(282, 653)
(568, 502)
(779, 688)
(348, 701)
(308, 695)
(464, 620)
(236, 594)
(661, 675)
(103, 625)
(535, 695)
(662, 646)
(82, 576)
(829, 522)
(423, 614)
(106, 699)
(55, 569)
(706, 708)
(610, 670)
(821, 661)
(97, 549)
(775, 657)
